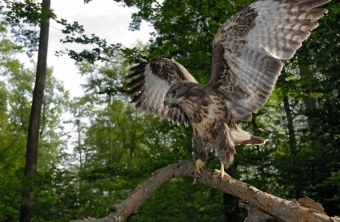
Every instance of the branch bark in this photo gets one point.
(282, 209)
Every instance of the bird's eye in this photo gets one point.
(173, 93)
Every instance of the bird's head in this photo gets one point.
(175, 93)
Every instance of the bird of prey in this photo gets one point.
(247, 54)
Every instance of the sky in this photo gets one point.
(105, 18)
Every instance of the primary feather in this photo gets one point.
(249, 46)
(149, 83)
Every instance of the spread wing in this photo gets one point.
(150, 82)
(249, 46)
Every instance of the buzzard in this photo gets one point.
(246, 61)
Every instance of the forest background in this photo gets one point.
(114, 147)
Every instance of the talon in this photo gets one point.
(222, 172)
(199, 165)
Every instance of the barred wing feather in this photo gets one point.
(149, 83)
(249, 46)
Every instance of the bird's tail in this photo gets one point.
(240, 136)
(256, 140)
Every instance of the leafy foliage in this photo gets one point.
(16, 88)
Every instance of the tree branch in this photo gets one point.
(282, 209)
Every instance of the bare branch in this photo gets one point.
(282, 209)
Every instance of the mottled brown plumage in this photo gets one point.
(246, 61)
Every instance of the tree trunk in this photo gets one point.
(230, 202)
(311, 111)
(132, 131)
(26, 209)
(293, 147)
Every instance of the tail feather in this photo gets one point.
(256, 140)
(240, 136)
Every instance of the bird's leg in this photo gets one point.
(199, 165)
(222, 172)
(200, 152)
(226, 147)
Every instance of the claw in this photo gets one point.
(199, 165)
(222, 172)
